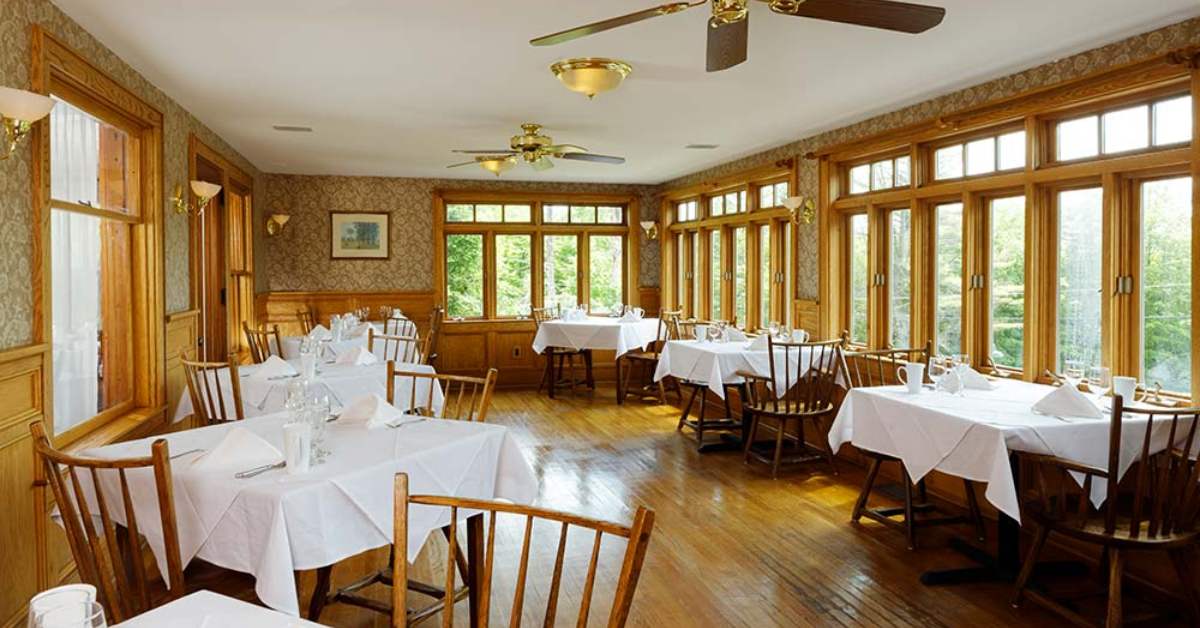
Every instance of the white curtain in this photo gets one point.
(75, 266)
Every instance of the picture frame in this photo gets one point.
(360, 235)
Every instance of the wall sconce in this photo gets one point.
(651, 229)
(803, 209)
(275, 223)
(204, 192)
(19, 109)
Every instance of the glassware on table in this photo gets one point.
(773, 329)
(1073, 371)
(72, 615)
(319, 410)
(308, 358)
(58, 596)
(699, 332)
(1099, 379)
(960, 359)
(938, 368)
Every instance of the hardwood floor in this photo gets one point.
(731, 547)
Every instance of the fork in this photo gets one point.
(249, 473)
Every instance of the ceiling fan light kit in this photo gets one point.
(533, 147)
(591, 75)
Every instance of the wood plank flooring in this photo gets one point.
(731, 547)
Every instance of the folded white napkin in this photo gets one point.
(761, 343)
(733, 334)
(974, 379)
(357, 356)
(358, 330)
(630, 317)
(396, 313)
(951, 382)
(273, 366)
(1066, 400)
(574, 315)
(319, 332)
(371, 411)
(241, 449)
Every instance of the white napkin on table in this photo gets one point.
(357, 356)
(274, 366)
(974, 379)
(1067, 400)
(319, 332)
(241, 449)
(358, 330)
(372, 411)
(574, 315)
(733, 334)
(630, 317)
(761, 343)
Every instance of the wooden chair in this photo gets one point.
(878, 367)
(647, 360)
(685, 330)
(260, 342)
(482, 549)
(108, 555)
(307, 321)
(399, 327)
(559, 357)
(434, 335)
(808, 372)
(1155, 507)
(405, 349)
(204, 388)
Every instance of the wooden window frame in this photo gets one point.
(930, 149)
(869, 161)
(1048, 123)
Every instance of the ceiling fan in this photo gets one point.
(536, 149)
(728, 26)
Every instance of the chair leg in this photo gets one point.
(1116, 569)
(571, 369)
(624, 391)
(973, 509)
(700, 419)
(861, 503)
(751, 434)
(320, 593)
(662, 391)
(829, 455)
(1187, 578)
(1040, 534)
(587, 364)
(910, 524)
(686, 409)
(778, 448)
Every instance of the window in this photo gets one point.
(560, 269)
(1166, 279)
(772, 194)
(695, 273)
(900, 277)
(879, 175)
(1006, 307)
(1125, 129)
(470, 212)
(716, 206)
(764, 274)
(740, 270)
(514, 274)
(727, 203)
(980, 156)
(948, 263)
(464, 275)
(1080, 224)
(606, 280)
(687, 211)
(681, 272)
(583, 214)
(859, 253)
(715, 273)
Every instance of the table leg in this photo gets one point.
(474, 576)
(620, 394)
(320, 593)
(591, 378)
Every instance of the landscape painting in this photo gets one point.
(359, 235)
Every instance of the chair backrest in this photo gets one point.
(463, 398)
(668, 321)
(637, 536)
(204, 388)
(807, 371)
(406, 349)
(685, 329)
(434, 335)
(877, 367)
(307, 321)
(543, 314)
(260, 342)
(399, 327)
(109, 556)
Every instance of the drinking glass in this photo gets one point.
(773, 329)
(960, 359)
(699, 332)
(1099, 379)
(319, 410)
(1073, 371)
(938, 367)
(73, 615)
(58, 596)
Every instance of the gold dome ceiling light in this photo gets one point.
(591, 75)
(496, 164)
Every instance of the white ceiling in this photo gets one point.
(390, 86)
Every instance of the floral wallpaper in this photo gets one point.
(298, 259)
(1122, 52)
(16, 307)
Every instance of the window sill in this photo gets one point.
(138, 422)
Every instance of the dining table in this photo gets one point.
(978, 434)
(605, 333)
(205, 609)
(276, 523)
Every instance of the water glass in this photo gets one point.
(1073, 371)
(72, 615)
(699, 332)
(938, 367)
(773, 329)
(1099, 378)
(58, 596)
(320, 410)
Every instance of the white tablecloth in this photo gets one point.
(205, 609)
(343, 382)
(330, 349)
(717, 363)
(970, 436)
(274, 524)
(596, 332)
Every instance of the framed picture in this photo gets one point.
(359, 235)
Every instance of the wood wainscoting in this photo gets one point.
(280, 308)
(183, 339)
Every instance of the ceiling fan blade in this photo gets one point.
(542, 164)
(727, 44)
(465, 163)
(503, 151)
(603, 25)
(558, 149)
(602, 159)
(887, 14)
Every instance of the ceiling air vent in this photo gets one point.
(701, 146)
(291, 128)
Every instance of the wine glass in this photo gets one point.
(773, 329)
(1073, 371)
(938, 368)
(72, 615)
(1099, 379)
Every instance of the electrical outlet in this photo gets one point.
(516, 352)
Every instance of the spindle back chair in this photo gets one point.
(307, 321)
(393, 348)
(263, 343)
(206, 393)
(463, 398)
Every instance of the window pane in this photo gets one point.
(1127, 129)
(514, 274)
(715, 272)
(1080, 224)
(981, 156)
(609, 215)
(693, 210)
(765, 285)
(1173, 121)
(605, 279)
(740, 276)
(517, 213)
(742, 204)
(949, 259)
(1007, 275)
(881, 175)
(91, 162)
(554, 213)
(858, 278)
(1012, 151)
(860, 179)
(487, 213)
(464, 275)
(91, 326)
(1078, 138)
(731, 203)
(781, 192)
(900, 277)
(948, 162)
(696, 286)
(766, 196)
(585, 214)
(903, 172)
(460, 213)
(1167, 283)
(560, 269)
(716, 205)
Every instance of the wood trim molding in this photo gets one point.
(780, 168)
